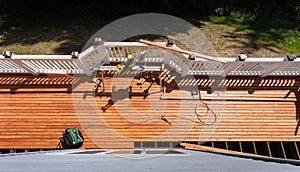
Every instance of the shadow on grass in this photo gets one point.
(249, 43)
(63, 35)
(60, 35)
(283, 37)
(69, 33)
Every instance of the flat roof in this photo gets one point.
(187, 161)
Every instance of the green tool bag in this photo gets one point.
(72, 138)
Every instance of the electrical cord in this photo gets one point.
(208, 109)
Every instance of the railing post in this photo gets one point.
(84, 66)
(92, 56)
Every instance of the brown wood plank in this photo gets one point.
(35, 120)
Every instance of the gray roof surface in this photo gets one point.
(189, 161)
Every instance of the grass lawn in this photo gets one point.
(285, 39)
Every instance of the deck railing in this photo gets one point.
(151, 58)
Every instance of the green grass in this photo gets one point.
(285, 39)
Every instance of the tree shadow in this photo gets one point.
(64, 35)
(249, 43)
(61, 35)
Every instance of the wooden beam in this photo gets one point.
(182, 51)
(218, 150)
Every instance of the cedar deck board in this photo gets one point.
(36, 120)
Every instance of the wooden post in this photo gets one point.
(241, 148)
(283, 151)
(270, 153)
(254, 147)
(297, 150)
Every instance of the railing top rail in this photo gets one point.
(39, 57)
(124, 44)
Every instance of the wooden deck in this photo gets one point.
(34, 118)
